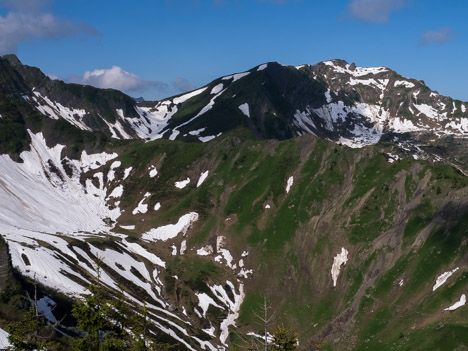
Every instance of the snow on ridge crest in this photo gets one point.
(357, 72)
(404, 83)
(236, 76)
(185, 97)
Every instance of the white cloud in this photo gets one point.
(375, 11)
(116, 78)
(25, 5)
(441, 35)
(182, 85)
(27, 21)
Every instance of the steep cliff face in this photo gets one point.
(354, 247)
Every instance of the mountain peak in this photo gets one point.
(12, 58)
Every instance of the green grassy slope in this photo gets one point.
(400, 222)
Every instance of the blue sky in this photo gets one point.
(162, 47)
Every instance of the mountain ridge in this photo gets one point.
(325, 99)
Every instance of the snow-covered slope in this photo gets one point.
(386, 103)
(52, 211)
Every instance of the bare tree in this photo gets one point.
(264, 318)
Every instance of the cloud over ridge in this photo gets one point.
(116, 78)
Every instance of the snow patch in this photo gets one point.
(403, 83)
(262, 67)
(127, 172)
(340, 259)
(56, 110)
(197, 131)
(140, 250)
(244, 273)
(202, 178)
(233, 306)
(379, 83)
(153, 172)
(206, 139)
(441, 279)
(115, 259)
(236, 76)
(429, 111)
(182, 184)
(142, 207)
(457, 304)
(183, 247)
(4, 343)
(204, 301)
(358, 71)
(88, 162)
(205, 251)
(171, 230)
(217, 89)
(289, 184)
(111, 174)
(117, 192)
(183, 98)
(245, 109)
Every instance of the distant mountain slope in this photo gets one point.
(332, 99)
